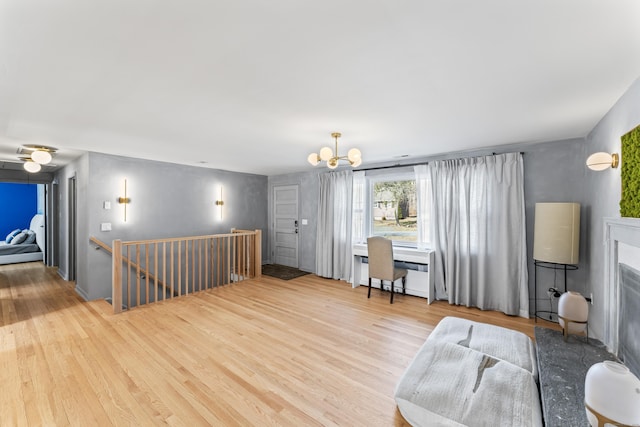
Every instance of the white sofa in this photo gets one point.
(471, 374)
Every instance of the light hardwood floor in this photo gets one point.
(308, 351)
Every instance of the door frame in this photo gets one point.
(72, 229)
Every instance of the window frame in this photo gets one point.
(369, 200)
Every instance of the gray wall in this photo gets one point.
(603, 190)
(554, 172)
(20, 175)
(167, 200)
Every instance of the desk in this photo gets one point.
(419, 283)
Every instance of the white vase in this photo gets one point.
(573, 306)
(612, 391)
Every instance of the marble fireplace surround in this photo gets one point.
(622, 245)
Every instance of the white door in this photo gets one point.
(285, 225)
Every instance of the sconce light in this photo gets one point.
(601, 161)
(124, 200)
(220, 203)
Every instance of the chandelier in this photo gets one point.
(40, 155)
(354, 157)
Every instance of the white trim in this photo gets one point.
(82, 293)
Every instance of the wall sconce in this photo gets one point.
(220, 203)
(124, 200)
(601, 161)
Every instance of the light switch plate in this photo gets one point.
(305, 222)
(107, 205)
(105, 226)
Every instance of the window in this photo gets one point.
(394, 214)
(394, 205)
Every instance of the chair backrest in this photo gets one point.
(380, 251)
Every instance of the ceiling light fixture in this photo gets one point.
(41, 153)
(41, 156)
(354, 156)
(31, 166)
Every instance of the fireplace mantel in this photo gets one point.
(616, 231)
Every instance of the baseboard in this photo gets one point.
(62, 274)
(82, 293)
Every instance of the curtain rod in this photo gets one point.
(398, 165)
(392, 166)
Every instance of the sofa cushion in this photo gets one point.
(471, 373)
(502, 343)
(451, 385)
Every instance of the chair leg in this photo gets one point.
(391, 289)
(404, 282)
(369, 293)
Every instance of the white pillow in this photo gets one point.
(11, 235)
(20, 238)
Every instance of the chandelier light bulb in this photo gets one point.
(326, 153)
(314, 159)
(41, 156)
(356, 162)
(354, 154)
(31, 166)
(332, 163)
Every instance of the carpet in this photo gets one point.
(282, 271)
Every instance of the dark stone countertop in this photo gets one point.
(562, 369)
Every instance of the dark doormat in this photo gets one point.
(282, 271)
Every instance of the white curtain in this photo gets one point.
(478, 232)
(333, 243)
(423, 193)
(358, 233)
(358, 214)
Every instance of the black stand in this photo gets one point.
(552, 266)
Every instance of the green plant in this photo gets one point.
(630, 174)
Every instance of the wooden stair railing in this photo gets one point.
(179, 266)
(144, 273)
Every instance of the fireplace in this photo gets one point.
(622, 290)
(629, 318)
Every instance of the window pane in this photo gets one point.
(394, 210)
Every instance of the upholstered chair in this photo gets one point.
(381, 265)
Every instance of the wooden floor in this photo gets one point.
(308, 351)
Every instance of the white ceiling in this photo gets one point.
(255, 86)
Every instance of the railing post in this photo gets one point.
(257, 254)
(116, 280)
